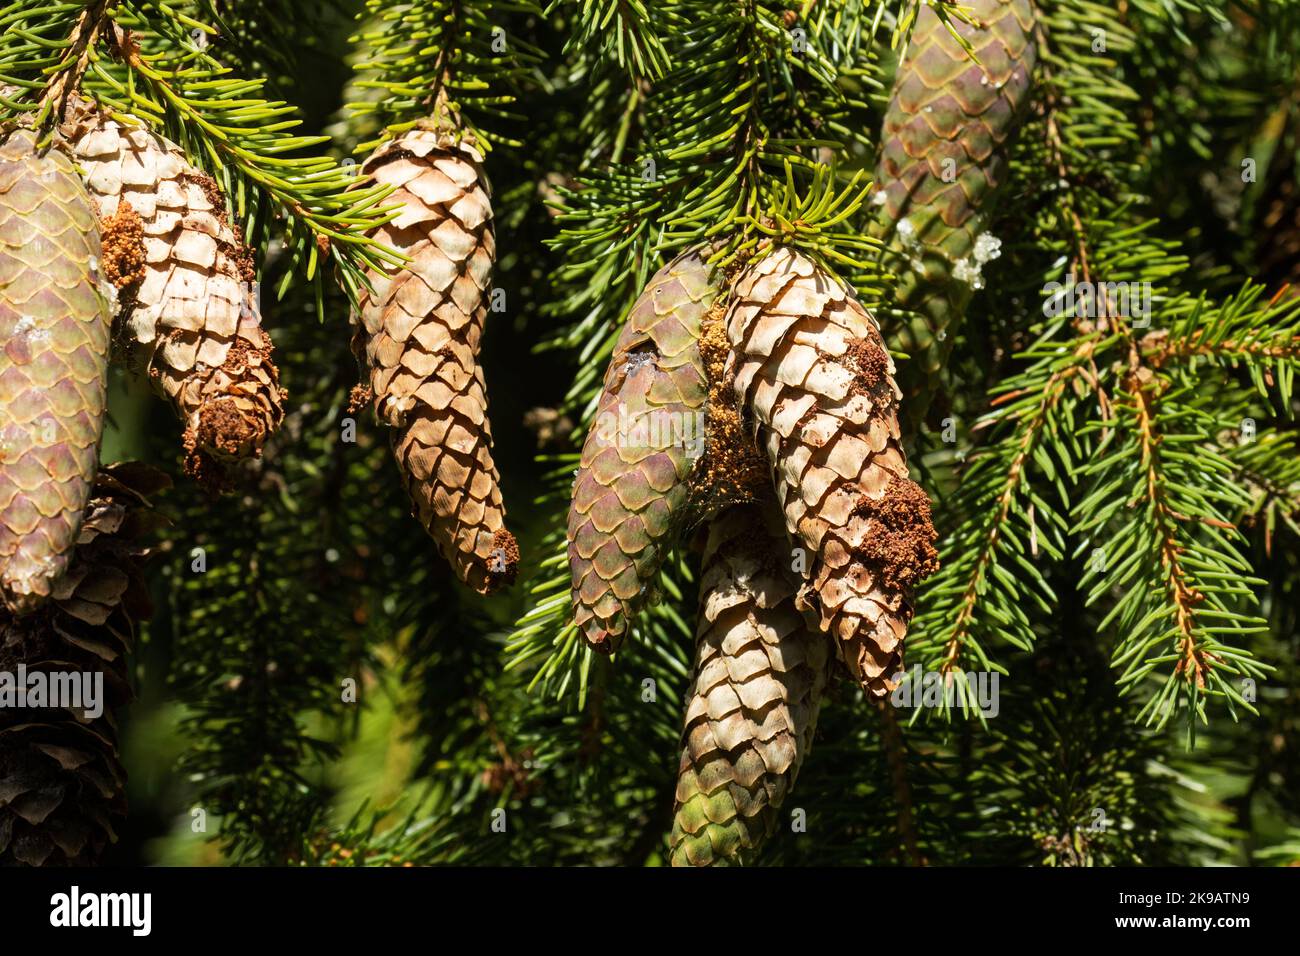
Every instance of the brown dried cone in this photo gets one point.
(631, 493)
(54, 344)
(812, 370)
(187, 286)
(61, 783)
(760, 672)
(419, 336)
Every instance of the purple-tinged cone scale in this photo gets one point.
(54, 345)
(632, 492)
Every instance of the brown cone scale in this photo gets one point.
(812, 371)
(187, 288)
(760, 674)
(418, 335)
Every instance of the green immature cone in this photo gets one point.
(631, 491)
(760, 672)
(54, 345)
(942, 161)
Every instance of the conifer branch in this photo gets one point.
(624, 31)
(996, 489)
(67, 78)
(447, 55)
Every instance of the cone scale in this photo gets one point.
(812, 371)
(632, 491)
(418, 336)
(54, 344)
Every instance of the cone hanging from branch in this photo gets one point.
(419, 335)
(61, 781)
(941, 164)
(187, 287)
(812, 371)
(760, 673)
(632, 490)
(54, 344)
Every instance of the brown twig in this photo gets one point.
(1194, 661)
(67, 78)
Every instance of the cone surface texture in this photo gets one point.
(942, 161)
(812, 371)
(187, 288)
(419, 337)
(54, 344)
(61, 783)
(760, 672)
(632, 492)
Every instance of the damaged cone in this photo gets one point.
(760, 673)
(54, 344)
(187, 289)
(632, 490)
(419, 337)
(811, 369)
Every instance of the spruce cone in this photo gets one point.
(419, 334)
(760, 672)
(61, 783)
(941, 164)
(187, 285)
(631, 490)
(812, 370)
(54, 344)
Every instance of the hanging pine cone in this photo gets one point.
(187, 286)
(419, 336)
(631, 490)
(760, 672)
(61, 782)
(54, 344)
(812, 370)
(941, 163)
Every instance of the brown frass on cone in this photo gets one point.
(187, 287)
(812, 371)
